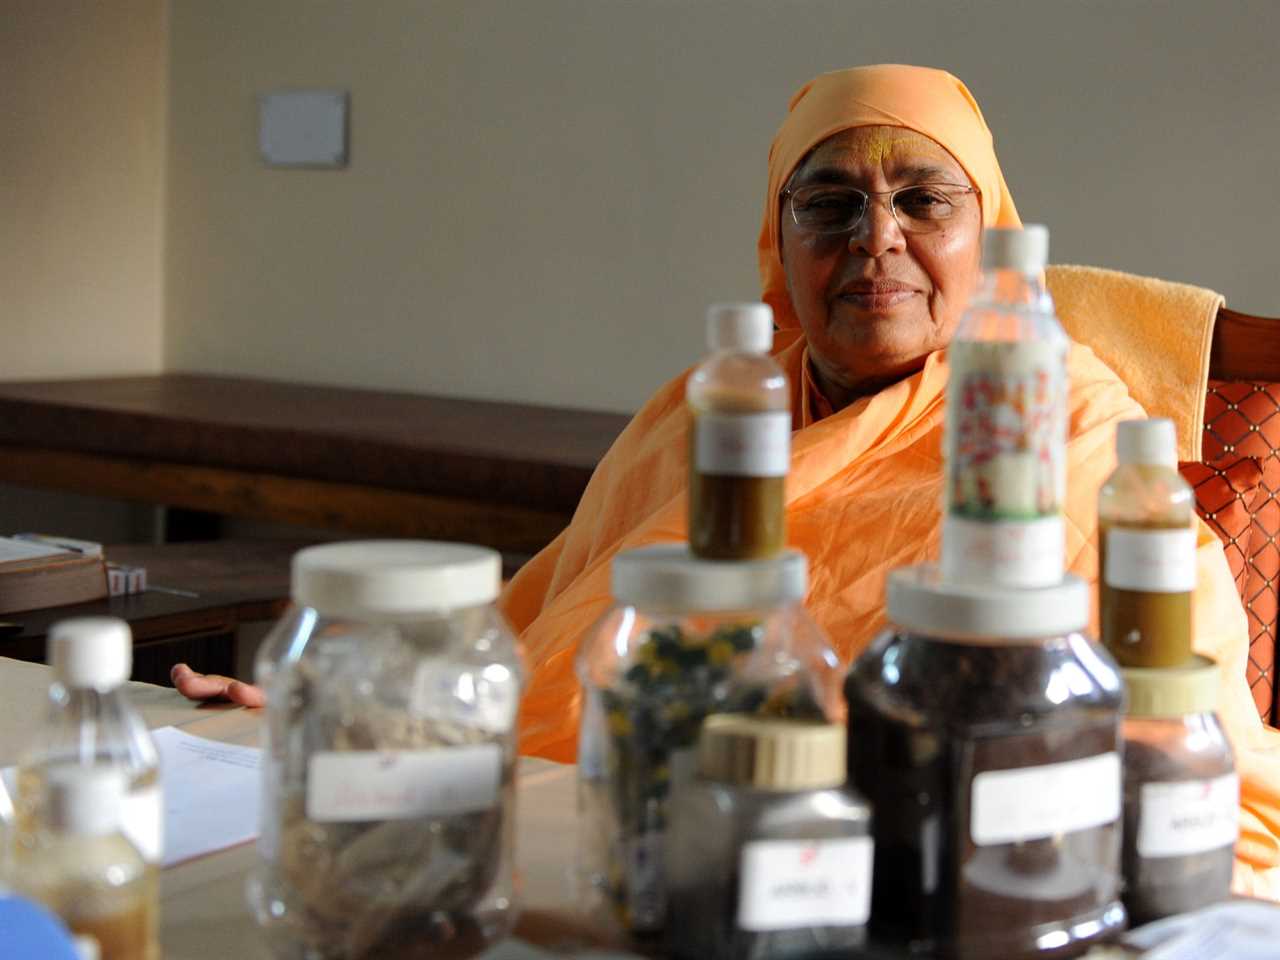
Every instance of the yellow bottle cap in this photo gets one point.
(1172, 691)
(772, 754)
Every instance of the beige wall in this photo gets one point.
(543, 196)
(82, 132)
(81, 186)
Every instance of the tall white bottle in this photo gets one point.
(1006, 423)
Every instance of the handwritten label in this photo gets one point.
(1188, 817)
(347, 786)
(789, 884)
(1154, 561)
(743, 444)
(1030, 803)
(1018, 554)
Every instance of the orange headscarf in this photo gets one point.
(928, 101)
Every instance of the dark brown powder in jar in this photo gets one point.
(925, 717)
(1158, 887)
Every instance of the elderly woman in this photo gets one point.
(863, 315)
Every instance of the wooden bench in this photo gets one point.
(357, 461)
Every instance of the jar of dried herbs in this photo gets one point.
(687, 638)
(984, 729)
(769, 854)
(1181, 792)
(388, 756)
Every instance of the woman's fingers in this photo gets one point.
(213, 686)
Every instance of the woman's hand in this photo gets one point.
(212, 686)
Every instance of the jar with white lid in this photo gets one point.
(687, 637)
(984, 729)
(389, 749)
(1181, 792)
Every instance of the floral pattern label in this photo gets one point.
(1006, 430)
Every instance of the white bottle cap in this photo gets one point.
(740, 326)
(93, 653)
(85, 800)
(668, 578)
(1010, 248)
(376, 579)
(1147, 441)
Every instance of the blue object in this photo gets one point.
(30, 932)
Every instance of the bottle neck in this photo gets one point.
(1014, 288)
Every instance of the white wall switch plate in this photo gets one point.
(303, 128)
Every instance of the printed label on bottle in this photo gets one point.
(487, 698)
(743, 444)
(1006, 430)
(1155, 561)
(344, 786)
(646, 889)
(1013, 553)
(790, 884)
(1192, 816)
(1030, 803)
(143, 822)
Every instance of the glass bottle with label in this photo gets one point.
(389, 753)
(1147, 544)
(90, 722)
(740, 445)
(984, 729)
(1181, 792)
(1006, 423)
(769, 854)
(84, 868)
(688, 637)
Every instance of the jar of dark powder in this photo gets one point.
(984, 729)
(1181, 793)
(768, 853)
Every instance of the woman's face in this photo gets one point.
(876, 301)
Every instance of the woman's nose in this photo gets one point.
(877, 233)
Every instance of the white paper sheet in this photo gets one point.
(210, 794)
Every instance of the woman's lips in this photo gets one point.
(876, 296)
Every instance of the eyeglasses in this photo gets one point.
(836, 208)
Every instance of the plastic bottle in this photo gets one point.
(1147, 544)
(1006, 423)
(740, 446)
(90, 723)
(87, 871)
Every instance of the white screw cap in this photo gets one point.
(91, 652)
(1010, 248)
(740, 326)
(85, 800)
(1147, 441)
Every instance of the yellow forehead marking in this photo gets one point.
(872, 146)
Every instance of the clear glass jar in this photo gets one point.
(1181, 792)
(389, 755)
(984, 729)
(769, 854)
(687, 638)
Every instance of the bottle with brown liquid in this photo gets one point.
(1147, 544)
(84, 868)
(740, 446)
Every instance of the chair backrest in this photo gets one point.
(1238, 484)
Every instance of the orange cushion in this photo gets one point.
(1242, 441)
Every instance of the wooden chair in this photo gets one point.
(1238, 483)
